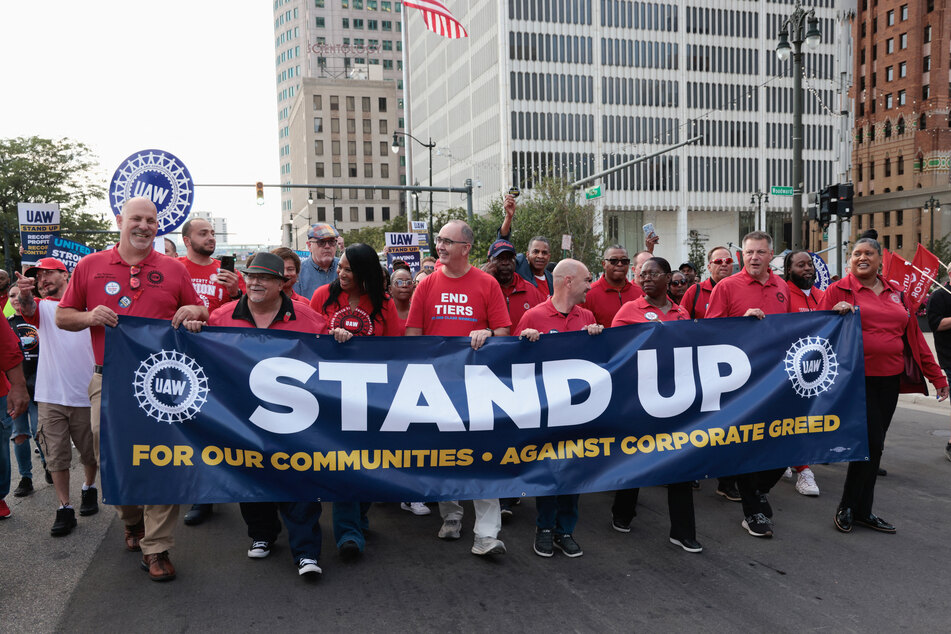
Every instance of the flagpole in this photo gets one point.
(407, 147)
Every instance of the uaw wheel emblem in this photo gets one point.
(170, 387)
(161, 178)
(812, 366)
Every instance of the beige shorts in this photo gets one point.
(58, 424)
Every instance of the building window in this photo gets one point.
(350, 104)
(899, 218)
(384, 148)
(366, 127)
(319, 147)
(367, 194)
(858, 173)
(888, 239)
(367, 148)
(336, 170)
(926, 64)
(321, 214)
(888, 168)
(334, 102)
(901, 97)
(890, 45)
(352, 171)
(927, 37)
(385, 213)
(318, 124)
(383, 127)
(382, 104)
(888, 101)
(899, 243)
(338, 214)
(871, 171)
(384, 170)
(925, 92)
(891, 18)
(335, 125)
(888, 219)
(352, 148)
(319, 170)
(888, 129)
(902, 69)
(889, 73)
(900, 128)
(368, 172)
(335, 148)
(904, 12)
(369, 214)
(903, 41)
(317, 102)
(354, 214)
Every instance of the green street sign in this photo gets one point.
(594, 192)
(781, 191)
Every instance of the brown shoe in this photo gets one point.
(133, 534)
(159, 566)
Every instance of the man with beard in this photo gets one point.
(532, 265)
(800, 275)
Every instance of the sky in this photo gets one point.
(192, 78)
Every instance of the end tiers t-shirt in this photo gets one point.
(455, 306)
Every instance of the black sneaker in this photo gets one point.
(49, 476)
(543, 543)
(690, 545)
(620, 526)
(758, 525)
(732, 493)
(764, 506)
(349, 550)
(65, 522)
(24, 488)
(89, 503)
(567, 544)
(843, 519)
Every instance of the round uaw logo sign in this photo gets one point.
(170, 387)
(811, 366)
(355, 320)
(160, 177)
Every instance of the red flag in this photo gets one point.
(926, 269)
(437, 18)
(894, 269)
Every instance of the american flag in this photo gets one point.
(437, 18)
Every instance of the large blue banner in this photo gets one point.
(235, 414)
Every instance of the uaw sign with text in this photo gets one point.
(160, 177)
(39, 224)
(234, 414)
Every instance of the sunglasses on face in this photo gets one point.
(403, 283)
(678, 283)
(719, 261)
(618, 261)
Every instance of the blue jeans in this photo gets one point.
(6, 427)
(557, 513)
(350, 520)
(26, 423)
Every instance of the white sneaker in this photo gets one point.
(308, 567)
(416, 508)
(450, 529)
(788, 473)
(806, 484)
(259, 550)
(488, 546)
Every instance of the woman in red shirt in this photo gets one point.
(401, 290)
(656, 306)
(886, 325)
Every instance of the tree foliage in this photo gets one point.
(34, 169)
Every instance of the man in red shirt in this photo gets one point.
(558, 514)
(459, 300)
(697, 298)
(519, 294)
(14, 399)
(613, 289)
(753, 292)
(131, 279)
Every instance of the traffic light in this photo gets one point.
(813, 207)
(825, 206)
(844, 206)
(259, 186)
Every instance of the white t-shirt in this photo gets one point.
(66, 361)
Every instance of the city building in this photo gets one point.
(574, 87)
(901, 157)
(335, 49)
(218, 223)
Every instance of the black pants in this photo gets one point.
(752, 485)
(881, 398)
(302, 520)
(679, 506)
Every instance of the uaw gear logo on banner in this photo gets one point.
(243, 414)
(160, 177)
(823, 278)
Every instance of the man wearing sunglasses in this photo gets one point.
(697, 298)
(613, 290)
(131, 279)
(321, 267)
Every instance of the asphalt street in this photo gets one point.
(808, 577)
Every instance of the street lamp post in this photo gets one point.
(933, 206)
(795, 28)
(396, 149)
(758, 198)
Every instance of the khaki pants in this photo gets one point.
(160, 519)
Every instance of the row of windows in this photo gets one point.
(817, 174)
(886, 164)
(722, 96)
(360, 24)
(659, 174)
(722, 22)
(529, 166)
(386, 45)
(549, 87)
(721, 133)
(352, 172)
(538, 47)
(818, 65)
(722, 59)
(351, 125)
(779, 135)
(779, 99)
(287, 55)
(335, 146)
(372, 5)
(640, 92)
(558, 11)
(360, 61)
(651, 16)
(351, 104)
(639, 54)
(287, 36)
(621, 129)
(714, 174)
(547, 126)
(285, 17)
(354, 214)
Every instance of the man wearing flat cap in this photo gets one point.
(321, 267)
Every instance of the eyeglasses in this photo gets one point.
(719, 261)
(678, 282)
(429, 267)
(326, 242)
(618, 261)
(134, 281)
(650, 276)
(447, 242)
(403, 283)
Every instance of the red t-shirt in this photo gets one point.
(799, 302)
(520, 296)
(294, 316)
(542, 287)
(455, 306)
(604, 301)
(357, 320)
(10, 357)
(546, 319)
(204, 280)
(639, 312)
(734, 295)
(103, 279)
(697, 309)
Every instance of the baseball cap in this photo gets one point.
(500, 246)
(322, 231)
(266, 264)
(45, 264)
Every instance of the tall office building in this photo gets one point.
(331, 55)
(902, 150)
(574, 87)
